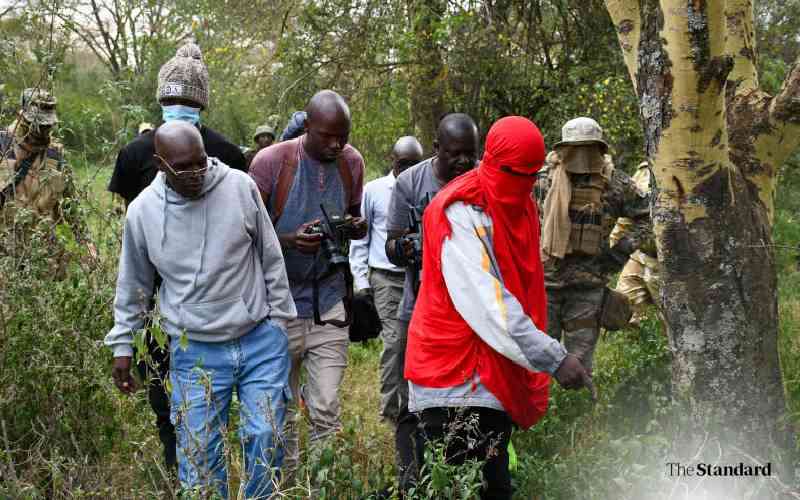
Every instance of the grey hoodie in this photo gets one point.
(219, 258)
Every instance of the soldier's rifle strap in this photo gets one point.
(7, 153)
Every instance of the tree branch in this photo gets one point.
(784, 115)
(626, 16)
(740, 44)
(9, 9)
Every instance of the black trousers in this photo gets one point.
(409, 454)
(490, 435)
(155, 371)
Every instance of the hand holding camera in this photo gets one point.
(307, 239)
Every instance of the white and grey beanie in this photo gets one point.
(184, 76)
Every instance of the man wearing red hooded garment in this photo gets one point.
(477, 351)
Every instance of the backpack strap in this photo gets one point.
(347, 182)
(289, 164)
(5, 144)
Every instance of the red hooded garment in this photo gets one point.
(443, 351)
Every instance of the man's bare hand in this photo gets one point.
(571, 374)
(360, 227)
(302, 241)
(121, 373)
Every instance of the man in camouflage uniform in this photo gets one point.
(35, 182)
(263, 137)
(581, 196)
(640, 278)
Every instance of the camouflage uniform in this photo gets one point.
(576, 285)
(640, 278)
(33, 194)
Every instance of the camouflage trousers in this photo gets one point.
(573, 315)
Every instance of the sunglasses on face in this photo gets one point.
(184, 174)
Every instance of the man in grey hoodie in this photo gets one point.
(224, 301)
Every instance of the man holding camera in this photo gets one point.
(295, 178)
(456, 148)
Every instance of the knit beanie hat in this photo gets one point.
(184, 76)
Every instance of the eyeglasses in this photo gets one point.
(184, 174)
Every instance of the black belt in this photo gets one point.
(396, 274)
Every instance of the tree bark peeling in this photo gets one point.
(654, 80)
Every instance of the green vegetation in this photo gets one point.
(66, 432)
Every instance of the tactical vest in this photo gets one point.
(41, 192)
(591, 224)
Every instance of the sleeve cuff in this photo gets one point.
(360, 282)
(123, 351)
(557, 354)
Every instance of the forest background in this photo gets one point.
(66, 433)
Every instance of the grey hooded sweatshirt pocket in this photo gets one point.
(216, 316)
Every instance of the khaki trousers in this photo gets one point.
(322, 352)
(387, 290)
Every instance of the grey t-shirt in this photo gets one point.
(409, 191)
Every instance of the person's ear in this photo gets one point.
(435, 146)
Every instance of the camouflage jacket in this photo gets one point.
(42, 190)
(646, 255)
(621, 198)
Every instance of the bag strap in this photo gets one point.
(347, 181)
(8, 192)
(347, 300)
(7, 153)
(289, 164)
(5, 143)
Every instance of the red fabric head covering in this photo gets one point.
(443, 351)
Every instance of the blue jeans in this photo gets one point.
(203, 377)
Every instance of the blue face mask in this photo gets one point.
(180, 112)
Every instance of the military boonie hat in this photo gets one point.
(38, 107)
(145, 126)
(581, 131)
(262, 130)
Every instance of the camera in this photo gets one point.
(414, 239)
(336, 230)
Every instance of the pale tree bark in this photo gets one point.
(716, 141)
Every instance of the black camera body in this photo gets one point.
(336, 230)
(414, 239)
(343, 228)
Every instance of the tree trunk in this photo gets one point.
(427, 78)
(716, 142)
